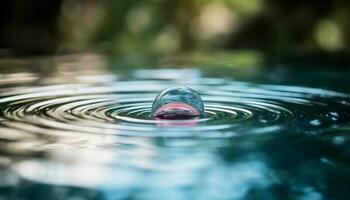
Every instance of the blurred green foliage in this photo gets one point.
(161, 27)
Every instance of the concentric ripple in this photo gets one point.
(96, 132)
(123, 108)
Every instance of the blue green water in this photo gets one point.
(82, 132)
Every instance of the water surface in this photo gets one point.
(87, 134)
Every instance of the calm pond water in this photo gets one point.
(75, 131)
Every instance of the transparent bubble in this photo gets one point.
(178, 102)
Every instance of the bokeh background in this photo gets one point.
(139, 29)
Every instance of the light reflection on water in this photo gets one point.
(92, 137)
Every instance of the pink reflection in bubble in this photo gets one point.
(176, 111)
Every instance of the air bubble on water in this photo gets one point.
(178, 102)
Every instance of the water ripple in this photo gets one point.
(100, 134)
(123, 108)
